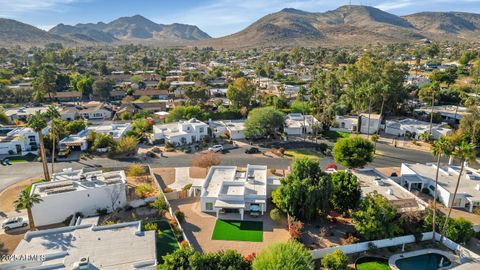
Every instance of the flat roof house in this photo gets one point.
(79, 140)
(180, 133)
(358, 123)
(415, 127)
(230, 190)
(72, 191)
(419, 176)
(121, 246)
(234, 128)
(18, 140)
(297, 124)
(370, 180)
(23, 113)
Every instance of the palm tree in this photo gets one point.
(466, 153)
(26, 199)
(435, 87)
(53, 114)
(443, 146)
(38, 122)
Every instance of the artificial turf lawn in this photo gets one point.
(166, 241)
(251, 231)
(373, 266)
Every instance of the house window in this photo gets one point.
(342, 125)
(457, 201)
(209, 206)
(201, 130)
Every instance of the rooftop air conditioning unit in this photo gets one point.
(83, 264)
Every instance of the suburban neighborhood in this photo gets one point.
(123, 154)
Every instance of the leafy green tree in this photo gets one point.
(284, 256)
(56, 128)
(346, 191)
(305, 192)
(102, 88)
(45, 82)
(262, 122)
(353, 152)
(222, 260)
(38, 122)
(101, 140)
(75, 126)
(460, 230)
(375, 218)
(186, 113)
(240, 93)
(337, 260)
(82, 83)
(179, 259)
(126, 146)
(142, 127)
(196, 95)
(160, 205)
(27, 200)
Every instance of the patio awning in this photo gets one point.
(229, 204)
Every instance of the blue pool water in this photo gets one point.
(432, 261)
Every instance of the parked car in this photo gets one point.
(216, 148)
(12, 223)
(252, 150)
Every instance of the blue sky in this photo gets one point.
(217, 18)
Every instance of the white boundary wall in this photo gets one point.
(464, 253)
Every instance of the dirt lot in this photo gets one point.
(199, 227)
(167, 175)
(197, 172)
(8, 242)
(9, 195)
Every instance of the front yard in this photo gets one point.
(302, 154)
(251, 231)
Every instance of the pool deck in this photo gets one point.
(393, 259)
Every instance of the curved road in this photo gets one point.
(387, 156)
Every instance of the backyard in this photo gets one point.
(335, 135)
(251, 231)
(166, 241)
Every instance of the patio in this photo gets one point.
(199, 228)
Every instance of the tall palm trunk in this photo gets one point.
(445, 225)
(44, 157)
(431, 112)
(31, 223)
(435, 198)
(53, 150)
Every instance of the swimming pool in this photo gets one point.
(428, 259)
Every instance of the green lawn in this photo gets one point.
(301, 154)
(166, 241)
(335, 135)
(373, 266)
(21, 159)
(251, 231)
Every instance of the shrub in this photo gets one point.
(126, 146)
(180, 216)
(322, 147)
(67, 221)
(289, 255)
(184, 244)
(295, 229)
(336, 260)
(150, 227)
(161, 205)
(144, 190)
(136, 170)
(187, 187)
(276, 215)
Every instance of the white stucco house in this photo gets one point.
(419, 176)
(415, 127)
(297, 124)
(233, 128)
(228, 190)
(72, 191)
(79, 141)
(18, 140)
(180, 133)
(360, 123)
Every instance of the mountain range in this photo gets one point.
(344, 26)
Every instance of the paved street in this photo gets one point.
(388, 156)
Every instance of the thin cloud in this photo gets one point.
(17, 7)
